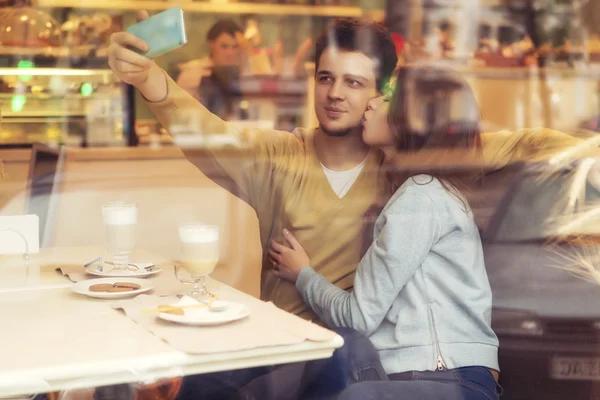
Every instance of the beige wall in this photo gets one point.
(168, 190)
(515, 98)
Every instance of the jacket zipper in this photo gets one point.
(439, 360)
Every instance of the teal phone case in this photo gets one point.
(163, 32)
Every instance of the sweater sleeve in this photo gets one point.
(409, 231)
(244, 163)
(505, 147)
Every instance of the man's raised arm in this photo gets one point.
(240, 161)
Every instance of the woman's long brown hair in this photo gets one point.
(434, 118)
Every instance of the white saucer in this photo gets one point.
(205, 316)
(83, 287)
(139, 273)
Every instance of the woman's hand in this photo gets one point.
(288, 261)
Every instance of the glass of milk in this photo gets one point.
(199, 255)
(120, 221)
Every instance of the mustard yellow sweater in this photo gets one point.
(279, 175)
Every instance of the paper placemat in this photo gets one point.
(75, 273)
(266, 326)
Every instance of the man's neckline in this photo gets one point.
(353, 169)
(314, 146)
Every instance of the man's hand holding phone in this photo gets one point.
(134, 68)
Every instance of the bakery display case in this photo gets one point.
(76, 106)
(56, 86)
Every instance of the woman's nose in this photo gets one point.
(373, 103)
(370, 105)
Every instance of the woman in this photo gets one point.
(421, 292)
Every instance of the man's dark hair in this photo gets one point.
(368, 38)
(228, 26)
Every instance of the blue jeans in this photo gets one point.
(469, 383)
(356, 361)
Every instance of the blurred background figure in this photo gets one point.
(214, 79)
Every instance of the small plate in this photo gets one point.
(140, 273)
(83, 287)
(205, 316)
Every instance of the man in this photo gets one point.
(210, 79)
(318, 183)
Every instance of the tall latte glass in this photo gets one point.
(199, 255)
(120, 222)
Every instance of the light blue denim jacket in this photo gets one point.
(421, 292)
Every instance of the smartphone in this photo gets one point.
(163, 32)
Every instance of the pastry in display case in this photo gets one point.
(504, 43)
(54, 88)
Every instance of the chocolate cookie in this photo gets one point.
(116, 287)
(101, 287)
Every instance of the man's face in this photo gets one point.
(345, 82)
(224, 50)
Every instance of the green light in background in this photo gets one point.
(86, 89)
(25, 64)
(17, 103)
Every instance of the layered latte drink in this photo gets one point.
(199, 256)
(199, 248)
(120, 223)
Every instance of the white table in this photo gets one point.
(52, 339)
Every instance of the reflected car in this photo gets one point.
(540, 228)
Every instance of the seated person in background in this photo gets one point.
(212, 79)
(421, 292)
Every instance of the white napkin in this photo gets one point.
(225, 309)
(190, 311)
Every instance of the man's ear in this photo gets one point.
(211, 47)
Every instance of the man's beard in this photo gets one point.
(339, 132)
